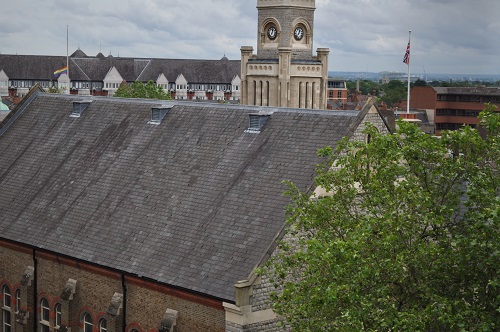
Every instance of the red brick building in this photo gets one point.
(454, 106)
(337, 93)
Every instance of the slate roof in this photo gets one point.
(88, 68)
(194, 202)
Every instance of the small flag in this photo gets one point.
(61, 71)
(406, 59)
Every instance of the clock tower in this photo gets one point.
(284, 72)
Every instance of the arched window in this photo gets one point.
(6, 314)
(18, 300)
(88, 323)
(103, 325)
(6, 296)
(44, 315)
(57, 310)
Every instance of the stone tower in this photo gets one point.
(284, 72)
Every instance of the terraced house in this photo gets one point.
(101, 76)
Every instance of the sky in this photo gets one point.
(448, 36)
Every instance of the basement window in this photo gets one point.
(79, 107)
(158, 113)
(256, 122)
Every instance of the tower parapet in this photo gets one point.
(311, 4)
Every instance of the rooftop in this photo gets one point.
(194, 202)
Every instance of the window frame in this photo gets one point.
(6, 309)
(101, 327)
(88, 322)
(6, 295)
(44, 313)
(58, 316)
(17, 296)
(6, 320)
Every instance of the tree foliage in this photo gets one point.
(394, 92)
(407, 238)
(140, 90)
(365, 86)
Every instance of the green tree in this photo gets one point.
(420, 82)
(140, 90)
(54, 89)
(394, 92)
(407, 238)
(366, 87)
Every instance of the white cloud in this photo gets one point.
(455, 36)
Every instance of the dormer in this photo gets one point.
(236, 84)
(79, 107)
(112, 80)
(4, 84)
(181, 87)
(162, 82)
(256, 122)
(4, 79)
(158, 113)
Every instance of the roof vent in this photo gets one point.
(158, 113)
(256, 122)
(79, 107)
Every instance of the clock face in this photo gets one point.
(272, 32)
(298, 33)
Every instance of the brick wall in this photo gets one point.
(13, 264)
(146, 301)
(147, 306)
(94, 290)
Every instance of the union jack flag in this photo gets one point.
(406, 59)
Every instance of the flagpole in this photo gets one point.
(409, 61)
(67, 50)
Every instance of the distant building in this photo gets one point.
(4, 111)
(387, 76)
(101, 76)
(452, 107)
(336, 92)
(284, 72)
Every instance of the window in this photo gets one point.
(339, 94)
(88, 323)
(7, 323)
(44, 315)
(18, 300)
(57, 309)
(103, 325)
(6, 296)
